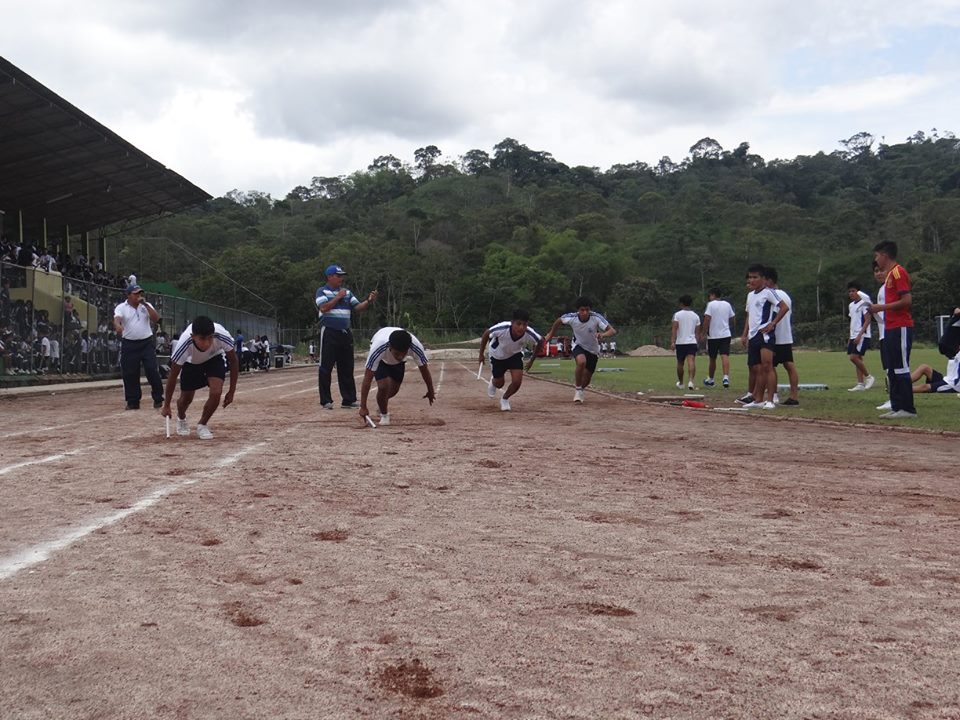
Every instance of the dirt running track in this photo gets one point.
(610, 560)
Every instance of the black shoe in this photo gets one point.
(157, 404)
(790, 401)
(132, 406)
(350, 406)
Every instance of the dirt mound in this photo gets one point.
(649, 351)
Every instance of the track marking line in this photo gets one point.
(36, 554)
(58, 427)
(61, 456)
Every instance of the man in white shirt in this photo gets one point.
(683, 339)
(133, 321)
(718, 328)
(203, 352)
(881, 278)
(588, 329)
(783, 341)
(389, 347)
(507, 340)
(859, 340)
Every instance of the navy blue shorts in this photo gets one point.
(394, 372)
(718, 346)
(861, 349)
(499, 367)
(194, 377)
(760, 341)
(591, 358)
(686, 349)
(937, 384)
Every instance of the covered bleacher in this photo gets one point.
(66, 180)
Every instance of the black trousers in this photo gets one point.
(336, 350)
(133, 354)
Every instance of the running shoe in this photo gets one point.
(183, 428)
(885, 406)
(491, 390)
(868, 382)
(691, 386)
(790, 401)
(679, 385)
(745, 400)
(327, 406)
(726, 382)
(384, 418)
(203, 432)
(859, 387)
(709, 382)
(504, 405)
(768, 406)
(578, 396)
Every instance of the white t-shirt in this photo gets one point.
(687, 323)
(187, 352)
(720, 313)
(783, 333)
(55, 349)
(502, 344)
(135, 320)
(761, 309)
(45, 346)
(857, 310)
(380, 345)
(585, 333)
(952, 376)
(881, 299)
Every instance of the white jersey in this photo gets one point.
(380, 345)
(761, 309)
(952, 376)
(783, 333)
(585, 333)
(720, 313)
(857, 310)
(881, 299)
(503, 345)
(186, 351)
(687, 323)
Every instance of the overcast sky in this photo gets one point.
(264, 96)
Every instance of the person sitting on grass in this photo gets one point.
(203, 352)
(949, 345)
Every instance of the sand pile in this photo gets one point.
(650, 351)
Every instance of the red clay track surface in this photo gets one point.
(610, 560)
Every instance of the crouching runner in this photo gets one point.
(200, 359)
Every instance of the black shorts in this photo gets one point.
(939, 385)
(719, 346)
(394, 372)
(499, 367)
(782, 354)
(686, 349)
(591, 358)
(194, 377)
(760, 341)
(854, 349)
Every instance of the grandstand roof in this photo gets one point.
(58, 163)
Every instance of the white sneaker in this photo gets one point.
(776, 398)
(768, 406)
(868, 382)
(504, 405)
(859, 387)
(491, 389)
(691, 386)
(901, 414)
(384, 418)
(726, 381)
(885, 406)
(327, 406)
(578, 396)
(183, 428)
(753, 404)
(679, 385)
(203, 432)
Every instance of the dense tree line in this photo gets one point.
(459, 244)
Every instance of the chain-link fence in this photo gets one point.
(53, 324)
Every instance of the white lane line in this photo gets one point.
(37, 554)
(61, 456)
(298, 392)
(58, 427)
(271, 387)
(443, 366)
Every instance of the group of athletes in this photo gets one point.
(205, 351)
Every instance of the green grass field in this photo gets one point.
(657, 376)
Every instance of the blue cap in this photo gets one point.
(335, 270)
(133, 289)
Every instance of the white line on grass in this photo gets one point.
(36, 554)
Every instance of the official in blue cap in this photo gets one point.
(335, 307)
(133, 319)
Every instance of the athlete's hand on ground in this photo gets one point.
(228, 398)
(165, 410)
(431, 396)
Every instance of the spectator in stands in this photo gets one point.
(54, 350)
(46, 261)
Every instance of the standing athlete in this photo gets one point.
(588, 327)
(718, 327)
(133, 321)
(898, 329)
(507, 340)
(683, 339)
(386, 363)
(765, 309)
(203, 352)
(335, 305)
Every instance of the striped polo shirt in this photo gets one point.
(337, 317)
